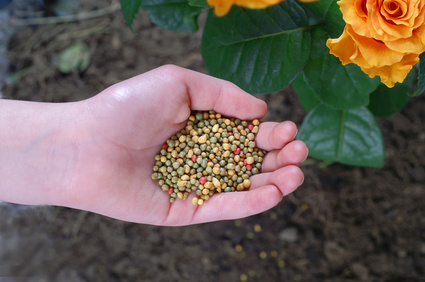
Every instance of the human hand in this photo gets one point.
(131, 120)
(97, 154)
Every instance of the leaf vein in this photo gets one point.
(258, 38)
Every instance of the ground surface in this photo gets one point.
(344, 223)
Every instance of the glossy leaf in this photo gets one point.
(335, 85)
(305, 95)
(329, 12)
(386, 101)
(347, 136)
(262, 51)
(130, 8)
(421, 76)
(198, 3)
(175, 15)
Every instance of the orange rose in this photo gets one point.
(383, 37)
(222, 7)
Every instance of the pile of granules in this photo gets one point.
(212, 154)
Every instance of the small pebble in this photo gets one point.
(289, 234)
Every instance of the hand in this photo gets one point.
(102, 160)
(131, 120)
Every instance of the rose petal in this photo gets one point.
(221, 7)
(355, 17)
(256, 4)
(343, 47)
(374, 52)
(395, 73)
(414, 44)
(392, 9)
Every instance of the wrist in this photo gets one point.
(38, 151)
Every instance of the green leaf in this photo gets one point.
(75, 57)
(199, 3)
(305, 95)
(421, 76)
(329, 12)
(335, 85)
(347, 136)
(175, 15)
(386, 101)
(130, 8)
(261, 51)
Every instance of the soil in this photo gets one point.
(343, 224)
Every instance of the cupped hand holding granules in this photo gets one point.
(97, 154)
(212, 154)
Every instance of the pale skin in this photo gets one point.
(97, 154)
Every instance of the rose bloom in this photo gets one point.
(222, 7)
(383, 37)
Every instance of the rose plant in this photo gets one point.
(350, 61)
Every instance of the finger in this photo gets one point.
(209, 93)
(274, 135)
(293, 153)
(287, 179)
(267, 191)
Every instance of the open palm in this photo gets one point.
(127, 125)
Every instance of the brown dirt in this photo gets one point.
(344, 223)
